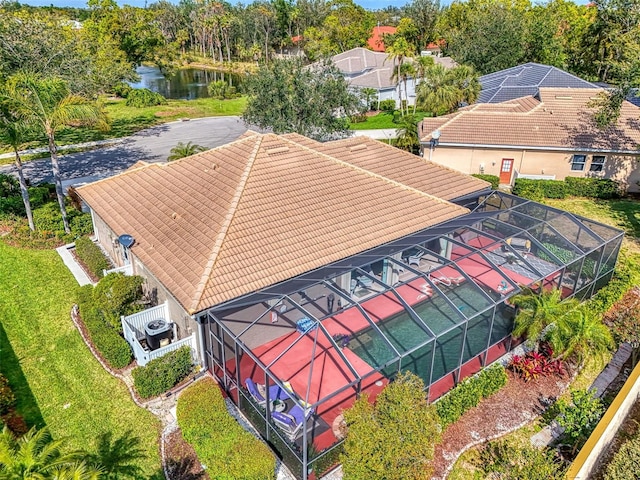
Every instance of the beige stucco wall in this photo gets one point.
(153, 288)
(624, 169)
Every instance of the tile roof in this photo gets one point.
(376, 42)
(526, 79)
(560, 119)
(407, 169)
(252, 213)
(359, 59)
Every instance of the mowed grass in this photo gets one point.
(621, 213)
(57, 380)
(125, 121)
(382, 120)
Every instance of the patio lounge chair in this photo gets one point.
(292, 421)
(275, 392)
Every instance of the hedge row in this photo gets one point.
(92, 256)
(570, 186)
(469, 393)
(494, 180)
(162, 373)
(625, 463)
(112, 346)
(116, 295)
(624, 278)
(227, 450)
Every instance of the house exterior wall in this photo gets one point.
(153, 289)
(622, 168)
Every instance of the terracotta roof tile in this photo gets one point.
(226, 222)
(560, 119)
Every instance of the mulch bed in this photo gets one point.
(84, 267)
(516, 404)
(182, 461)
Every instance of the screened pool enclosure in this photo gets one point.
(295, 355)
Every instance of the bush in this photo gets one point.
(142, 97)
(112, 346)
(388, 105)
(536, 364)
(47, 218)
(539, 189)
(579, 417)
(92, 256)
(116, 295)
(469, 393)
(220, 442)
(494, 180)
(122, 90)
(7, 398)
(161, 374)
(9, 186)
(592, 187)
(358, 118)
(625, 462)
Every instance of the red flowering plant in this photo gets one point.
(535, 364)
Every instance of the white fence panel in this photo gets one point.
(126, 270)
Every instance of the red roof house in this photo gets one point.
(375, 41)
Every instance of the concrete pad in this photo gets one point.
(81, 277)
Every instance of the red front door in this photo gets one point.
(505, 170)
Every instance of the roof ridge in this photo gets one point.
(213, 257)
(372, 174)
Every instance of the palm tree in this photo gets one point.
(397, 52)
(182, 150)
(407, 134)
(422, 65)
(406, 71)
(118, 458)
(36, 456)
(443, 90)
(13, 134)
(578, 332)
(536, 311)
(48, 104)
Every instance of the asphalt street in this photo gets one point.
(151, 145)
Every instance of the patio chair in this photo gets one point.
(292, 421)
(275, 392)
(521, 244)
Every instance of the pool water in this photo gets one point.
(405, 334)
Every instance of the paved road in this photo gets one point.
(151, 145)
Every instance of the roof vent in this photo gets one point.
(361, 146)
(273, 151)
(126, 240)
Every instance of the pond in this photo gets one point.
(187, 84)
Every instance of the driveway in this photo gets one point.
(151, 145)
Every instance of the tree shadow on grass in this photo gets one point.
(630, 211)
(26, 404)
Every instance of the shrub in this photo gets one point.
(116, 295)
(161, 374)
(388, 105)
(494, 180)
(47, 218)
(536, 364)
(624, 464)
(505, 460)
(92, 256)
(220, 442)
(122, 90)
(142, 97)
(579, 417)
(526, 188)
(592, 187)
(9, 186)
(469, 393)
(358, 118)
(112, 346)
(7, 398)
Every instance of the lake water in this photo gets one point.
(188, 83)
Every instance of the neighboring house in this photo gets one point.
(376, 40)
(314, 272)
(551, 136)
(364, 68)
(526, 80)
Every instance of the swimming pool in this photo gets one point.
(405, 334)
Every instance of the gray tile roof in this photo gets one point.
(524, 80)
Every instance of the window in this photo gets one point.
(577, 164)
(597, 163)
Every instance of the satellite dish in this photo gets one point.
(126, 240)
(435, 134)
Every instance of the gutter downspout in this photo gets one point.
(203, 360)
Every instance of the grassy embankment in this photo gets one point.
(56, 379)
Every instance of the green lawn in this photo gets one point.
(622, 213)
(57, 380)
(381, 120)
(126, 121)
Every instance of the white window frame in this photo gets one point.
(578, 162)
(598, 164)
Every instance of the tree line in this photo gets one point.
(599, 41)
